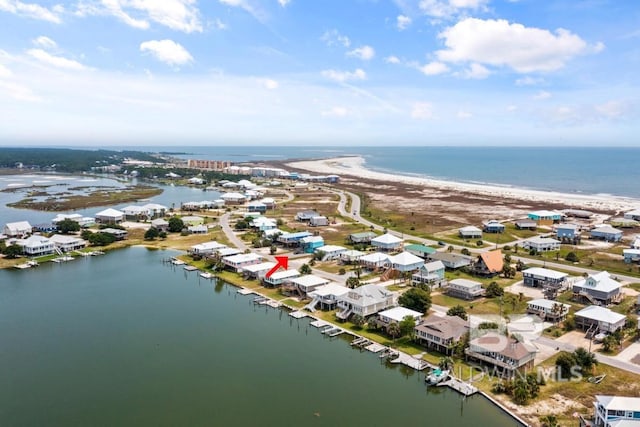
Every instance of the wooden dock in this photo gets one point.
(460, 386)
(298, 314)
(245, 291)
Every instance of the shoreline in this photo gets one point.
(355, 167)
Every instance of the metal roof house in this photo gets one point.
(365, 301)
(631, 255)
(387, 242)
(538, 277)
(450, 260)
(306, 215)
(493, 226)
(351, 256)
(541, 244)
(17, 229)
(568, 233)
(364, 237)
(326, 296)
(616, 411)
(319, 221)
(303, 285)
(36, 245)
(330, 252)
(420, 250)
(405, 261)
(526, 224)
(548, 309)
(606, 233)
(279, 277)
(465, 289)
(634, 214)
(397, 315)
(293, 239)
(110, 216)
(431, 273)
(374, 261)
(205, 248)
(599, 319)
(239, 261)
(68, 243)
(545, 217)
(470, 232)
(598, 288)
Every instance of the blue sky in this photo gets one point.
(334, 72)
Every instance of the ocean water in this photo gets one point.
(584, 170)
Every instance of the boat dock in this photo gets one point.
(298, 314)
(460, 386)
(245, 291)
(190, 268)
(412, 362)
(375, 347)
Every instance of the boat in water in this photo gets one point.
(436, 376)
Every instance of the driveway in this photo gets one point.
(527, 291)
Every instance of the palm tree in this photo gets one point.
(393, 330)
(446, 363)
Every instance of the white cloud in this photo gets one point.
(365, 53)
(344, 76)
(512, 108)
(32, 10)
(19, 92)
(44, 42)
(434, 68)
(449, 8)
(403, 22)
(422, 111)
(392, 59)
(543, 94)
(333, 37)
(499, 43)
(167, 51)
(476, 71)
(179, 15)
(220, 25)
(5, 72)
(251, 7)
(336, 112)
(284, 3)
(612, 109)
(529, 81)
(269, 84)
(464, 114)
(56, 61)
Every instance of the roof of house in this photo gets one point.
(310, 280)
(541, 240)
(34, 241)
(405, 258)
(387, 239)
(285, 274)
(331, 248)
(62, 239)
(547, 303)
(208, 246)
(375, 257)
(420, 248)
(256, 205)
(399, 313)
(493, 260)
(544, 213)
(263, 266)
(526, 222)
(600, 314)
(299, 234)
(312, 239)
(155, 207)
(232, 196)
(363, 234)
(240, 258)
(501, 344)
(465, 283)
(368, 295)
(470, 229)
(449, 257)
(493, 223)
(352, 254)
(573, 227)
(444, 326)
(631, 251)
(619, 403)
(159, 221)
(545, 272)
(20, 225)
(110, 213)
(603, 282)
(225, 252)
(433, 266)
(607, 229)
(329, 289)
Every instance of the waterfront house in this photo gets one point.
(319, 221)
(374, 261)
(405, 262)
(441, 332)
(488, 264)
(293, 239)
(280, 277)
(195, 181)
(387, 242)
(631, 255)
(233, 198)
(541, 244)
(493, 226)
(598, 288)
(160, 224)
(45, 228)
(155, 210)
(634, 215)
(36, 245)
(115, 232)
(465, 289)
(470, 232)
(206, 248)
(616, 411)
(303, 285)
(68, 243)
(569, 233)
(526, 224)
(431, 274)
(326, 296)
(364, 237)
(238, 262)
(226, 252)
(548, 310)
(450, 260)
(330, 252)
(17, 229)
(505, 354)
(198, 229)
(305, 216)
(310, 243)
(192, 220)
(397, 315)
(135, 213)
(420, 250)
(351, 256)
(256, 206)
(545, 217)
(365, 301)
(83, 221)
(110, 216)
(599, 320)
(550, 280)
(606, 233)
(257, 271)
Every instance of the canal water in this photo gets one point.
(123, 339)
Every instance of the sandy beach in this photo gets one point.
(355, 167)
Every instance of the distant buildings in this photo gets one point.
(214, 165)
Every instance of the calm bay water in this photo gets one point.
(125, 340)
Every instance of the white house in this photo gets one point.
(539, 277)
(634, 214)
(465, 289)
(548, 309)
(83, 221)
(606, 233)
(109, 216)
(598, 288)
(279, 277)
(387, 242)
(374, 261)
(604, 320)
(134, 212)
(68, 243)
(431, 273)
(365, 301)
(631, 255)
(351, 256)
(239, 261)
(326, 296)
(257, 271)
(541, 244)
(635, 243)
(397, 315)
(17, 229)
(269, 202)
(319, 221)
(616, 411)
(470, 232)
(307, 283)
(233, 198)
(36, 245)
(205, 248)
(195, 181)
(155, 210)
(329, 252)
(160, 224)
(406, 261)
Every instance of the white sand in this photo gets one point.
(355, 167)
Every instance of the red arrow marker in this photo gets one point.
(282, 261)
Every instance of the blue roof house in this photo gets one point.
(311, 243)
(606, 233)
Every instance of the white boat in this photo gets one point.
(436, 376)
(206, 275)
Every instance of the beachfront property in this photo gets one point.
(493, 226)
(450, 260)
(488, 264)
(470, 232)
(115, 232)
(420, 250)
(17, 229)
(305, 216)
(548, 310)
(397, 315)
(365, 301)
(36, 245)
(374, 261)
(110, 216)
(192, 220)
(319, 221)
(160, 224)
(441, 332)
(541, 244)
(387, 242)
(526, 224)
(326, 296)
(465, 289)
(330, 252)
(240, 261)
(310, 243)
(256, 206)
(606, 233)
(431, 274)
(233, 198)
(83, 221)
(538, 277)
(615, 411)
(599, 320)
(135, 213)
(292, 239)
(598, 288)
(634, 215)
(280, 277)
(405, 262)
(304, 285)
(631, 255)
(257, 271)
(351, 256)
(623, 222)
(364, 237)
(545, 217)
(206, 248)
(68, 243)
(505, 354)
(569, 233)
